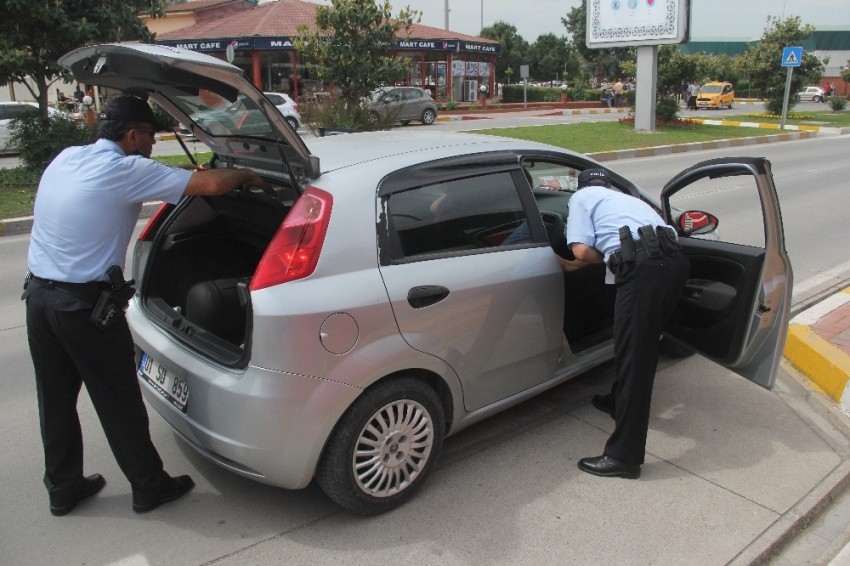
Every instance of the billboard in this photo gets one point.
(627, 23)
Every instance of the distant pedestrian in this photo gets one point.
(617, 89)
(693, 91)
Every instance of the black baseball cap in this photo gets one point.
(127, 108)
(593, 177)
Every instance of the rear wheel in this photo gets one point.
(428, 116)
(384, 447)
(292, 122)
(816, 98)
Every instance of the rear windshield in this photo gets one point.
(218, 116)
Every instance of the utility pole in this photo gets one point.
(447, 15)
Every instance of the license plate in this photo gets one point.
(167, 384)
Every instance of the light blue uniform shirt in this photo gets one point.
(86, 208)
(597, 213)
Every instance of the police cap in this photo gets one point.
(593, 177)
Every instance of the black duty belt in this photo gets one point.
(90, 290)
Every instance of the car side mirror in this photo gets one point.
(388, 99)
(693, 222)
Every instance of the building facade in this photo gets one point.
(452, 66)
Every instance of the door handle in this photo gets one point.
(426, 295)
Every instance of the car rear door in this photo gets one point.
(470, 275)
(736, 304)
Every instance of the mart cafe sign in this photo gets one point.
(210, 44)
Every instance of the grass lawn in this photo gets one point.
(17, 188)
(592, 137)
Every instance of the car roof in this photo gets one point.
(395, 149)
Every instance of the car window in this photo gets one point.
(219, 116)
(275, 99)
(411, 94)
(466, 214)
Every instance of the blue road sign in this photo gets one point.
(792, 56)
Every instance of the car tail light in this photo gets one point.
(155, 221)
(294, 250)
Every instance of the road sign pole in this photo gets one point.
(785, 100)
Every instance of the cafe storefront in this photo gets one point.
(452, 66)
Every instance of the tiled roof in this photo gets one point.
(280, 19)
(195, 6)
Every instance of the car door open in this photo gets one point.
(735, 307)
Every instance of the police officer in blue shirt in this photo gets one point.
(87, 205)
(649, 270)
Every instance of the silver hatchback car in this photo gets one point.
(397, 287)
(403, 104)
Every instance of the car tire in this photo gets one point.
(428, 117)
(816, 98)
(384, 447)
(292, 122)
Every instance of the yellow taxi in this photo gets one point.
(716, 95)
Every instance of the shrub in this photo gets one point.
(837, 103)
(40, 139)
(667, 109)
(336, 113)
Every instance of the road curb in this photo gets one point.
(699, 146)
(824, 364)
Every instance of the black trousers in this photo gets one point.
(68, 351)
(647, 292)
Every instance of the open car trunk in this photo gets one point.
(199, 265)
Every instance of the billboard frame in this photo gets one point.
(632, 23)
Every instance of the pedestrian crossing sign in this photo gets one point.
(792, 56)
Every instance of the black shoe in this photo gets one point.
(91, 485)
(604, 403)
(174, 488)
(608, 467)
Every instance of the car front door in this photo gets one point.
(412, 104)
(470, 275)
(736, 304)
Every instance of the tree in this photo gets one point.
(550, 57)
(602, 63)
(514, 49)
(845, 74)
(351, 45)
(33, 35)
(762, 61)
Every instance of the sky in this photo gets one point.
(731, 20)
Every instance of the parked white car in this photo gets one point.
(11, 110)
(287, 107)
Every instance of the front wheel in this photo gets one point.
(384, 447)
(428, 117)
